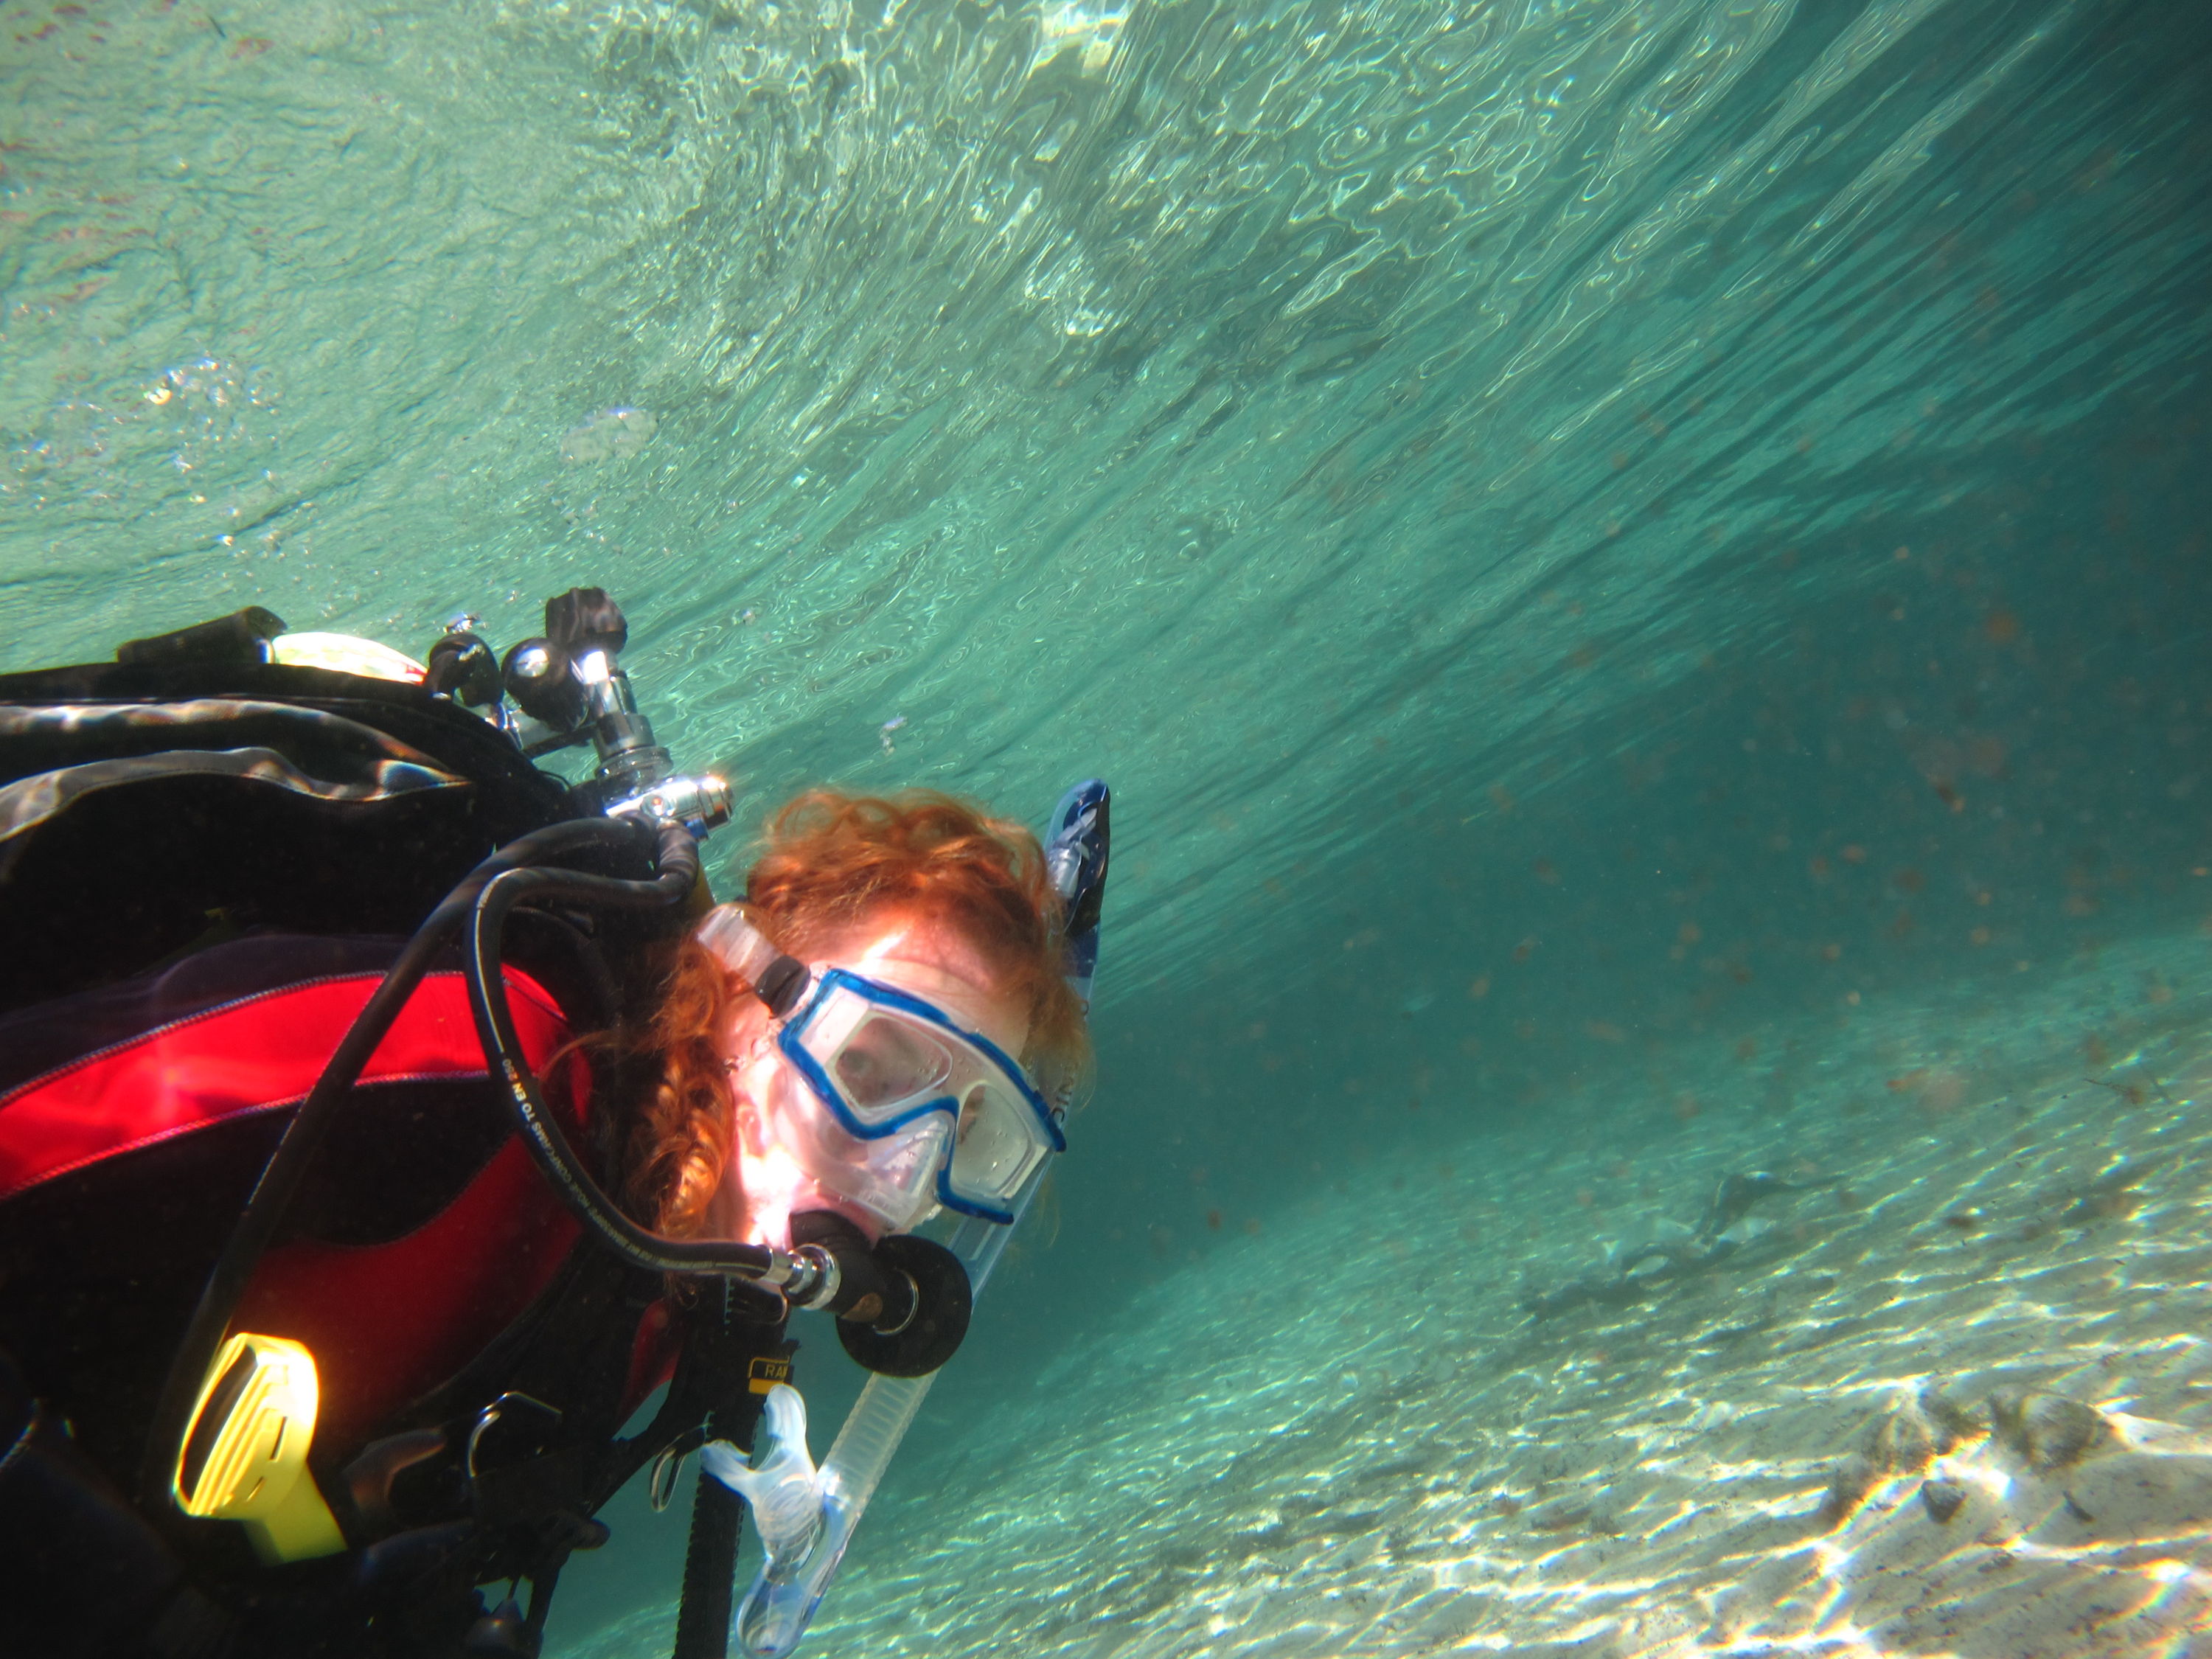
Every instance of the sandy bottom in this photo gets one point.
(1960, 1404)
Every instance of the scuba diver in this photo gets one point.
(383, 1120)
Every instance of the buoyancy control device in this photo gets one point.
(232, 776)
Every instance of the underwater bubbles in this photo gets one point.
(612, 435)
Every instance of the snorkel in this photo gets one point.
(806, 1517)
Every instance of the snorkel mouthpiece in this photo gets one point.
(902, 1305)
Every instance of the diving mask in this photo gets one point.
(886, 1101)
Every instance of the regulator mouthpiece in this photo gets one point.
(902, 1304)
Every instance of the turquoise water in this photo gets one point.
(1638, 570)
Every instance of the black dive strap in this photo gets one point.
(718, 1514)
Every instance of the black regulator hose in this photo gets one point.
(541, 1132)
(287, 1166)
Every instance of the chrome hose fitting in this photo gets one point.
(808, 1277)
(699, 804)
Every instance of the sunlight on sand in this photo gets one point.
(1957, 1403)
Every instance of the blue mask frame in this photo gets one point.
(790, 1042)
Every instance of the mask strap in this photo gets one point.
(777, 980)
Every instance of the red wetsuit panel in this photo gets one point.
(255, 1055)
(386, 1322)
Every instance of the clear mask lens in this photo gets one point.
(994, 1148)
(886, 1063)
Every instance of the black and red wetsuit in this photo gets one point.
(478, 1357)
(134, 1119)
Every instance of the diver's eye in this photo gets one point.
(885, 1062)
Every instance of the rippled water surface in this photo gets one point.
(1638, 570)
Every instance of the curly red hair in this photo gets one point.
(831, 861)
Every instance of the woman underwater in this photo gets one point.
(334, 1261)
